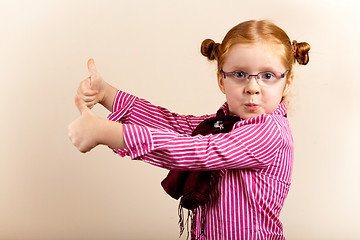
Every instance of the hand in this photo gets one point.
(84, 132)
(92, 89)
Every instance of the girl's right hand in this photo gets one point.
(92, 89)
(85, 131)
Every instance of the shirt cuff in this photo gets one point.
(123, 103)
(138, 141)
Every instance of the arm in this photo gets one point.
(254, 144)
(127, 108)
(133, 110)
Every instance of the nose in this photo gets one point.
(252, 87)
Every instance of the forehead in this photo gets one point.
(254, 57)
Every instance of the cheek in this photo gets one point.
(279, 92)
(235, 93)
(272, 99)
(274, 102)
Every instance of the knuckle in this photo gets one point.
(82, 149)
(89, 104)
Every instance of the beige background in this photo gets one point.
(49, 190)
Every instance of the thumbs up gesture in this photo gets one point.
(89, 130)
(84, 131)
(92, 89)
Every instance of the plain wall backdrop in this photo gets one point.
(50, 191)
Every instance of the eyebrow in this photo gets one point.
(262, 69)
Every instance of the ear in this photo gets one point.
(221, 82)
(288, 85)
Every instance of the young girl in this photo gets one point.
(250, 163)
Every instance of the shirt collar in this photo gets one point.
(281, 109)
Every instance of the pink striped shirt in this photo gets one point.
(253, 163)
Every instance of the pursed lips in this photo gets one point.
(251, 106)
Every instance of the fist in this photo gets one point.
(83, 132)
(92, 89)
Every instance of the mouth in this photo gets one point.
(251, 107)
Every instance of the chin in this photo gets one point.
(250, 115)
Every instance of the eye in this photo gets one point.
(239, 75)
(268, 76)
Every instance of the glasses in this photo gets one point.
(262, 78)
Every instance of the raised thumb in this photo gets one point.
(80, 104)
(91, 67)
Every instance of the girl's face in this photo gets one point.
(248, 99)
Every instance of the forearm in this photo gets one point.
(109, 96)
(112, 134)
(137, 111)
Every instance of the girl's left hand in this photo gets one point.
(92, 89)
(84, 132)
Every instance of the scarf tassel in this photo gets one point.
(192, 216)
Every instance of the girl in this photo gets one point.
(250, 163)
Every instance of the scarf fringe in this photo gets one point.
(192, 214)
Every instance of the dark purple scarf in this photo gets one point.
(194, 186)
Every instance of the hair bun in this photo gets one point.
(210, 49)
(301, 52)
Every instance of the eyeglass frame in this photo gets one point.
(248, 76)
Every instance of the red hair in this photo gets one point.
(258, 31)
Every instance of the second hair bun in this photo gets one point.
(210, 49)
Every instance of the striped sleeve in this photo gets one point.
(133, 110)
(253, 144)
(122, 106)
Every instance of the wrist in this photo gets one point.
(109, 96)
(102, 100)
(112, 134)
